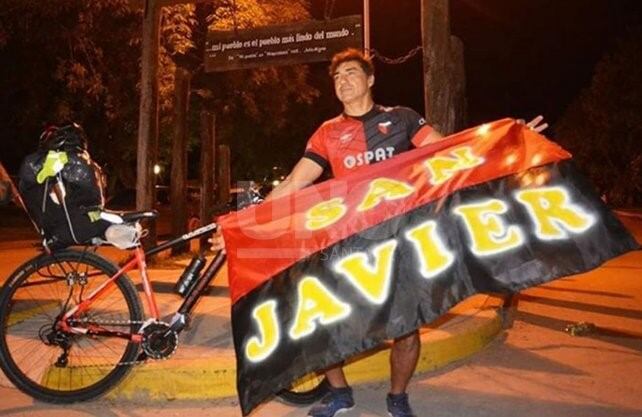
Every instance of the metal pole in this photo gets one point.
(366, 27)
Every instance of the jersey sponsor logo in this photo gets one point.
(383, 127)
(368, 157)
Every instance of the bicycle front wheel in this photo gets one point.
(54, 365)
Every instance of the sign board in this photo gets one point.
(299, 43)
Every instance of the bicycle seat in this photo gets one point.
(118, 217)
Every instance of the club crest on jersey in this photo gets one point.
(383, 127)
(346, 137)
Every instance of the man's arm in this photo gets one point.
(425, 136)
(304, 173)
(432, 137)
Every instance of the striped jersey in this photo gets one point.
(346, 143)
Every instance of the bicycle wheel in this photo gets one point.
(48, 363)
(306, 390)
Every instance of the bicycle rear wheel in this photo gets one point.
(306, 390)
(56, 366)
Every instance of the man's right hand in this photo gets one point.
(304, 173)
(217, 242)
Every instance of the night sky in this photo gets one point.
(523, 57)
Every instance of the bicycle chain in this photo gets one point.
(123, 323)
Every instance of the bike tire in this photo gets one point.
(306, 390)
(31, 299)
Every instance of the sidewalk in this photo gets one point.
(536, 369)
(204, 365)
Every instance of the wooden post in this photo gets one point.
(147, 152)
(458, 83)
(224, 176)
(178, 182)
(208, 173)
(444, 75)
(435, 42)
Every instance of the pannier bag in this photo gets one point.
(62, 188)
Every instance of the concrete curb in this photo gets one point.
(215, 377)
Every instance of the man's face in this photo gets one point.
(351, 83)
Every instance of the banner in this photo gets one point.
(298, 43)
(336, 269)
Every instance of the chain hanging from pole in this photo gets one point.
(398, 60)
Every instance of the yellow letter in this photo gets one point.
(316, 302)
(371, 281)
(553, 214)
(487, 231)
(432, 252)
(257, 348)
(384, 189)
(443, 168)
(325, 214)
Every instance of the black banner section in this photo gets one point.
(300, 43)
(501, 236)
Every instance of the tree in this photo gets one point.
(603, 126)
(79, 60)
(238, 99)
(253, 107)
(68, 63)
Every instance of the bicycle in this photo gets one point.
(73, 325)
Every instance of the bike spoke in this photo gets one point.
(48, 360)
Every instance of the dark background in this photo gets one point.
(522, 57)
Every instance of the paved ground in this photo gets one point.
(535, 369)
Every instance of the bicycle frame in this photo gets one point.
(138, 261)
(136, 334)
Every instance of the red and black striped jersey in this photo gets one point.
(346, 143)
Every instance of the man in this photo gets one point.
(363, 134)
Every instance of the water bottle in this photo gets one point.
(190, 276)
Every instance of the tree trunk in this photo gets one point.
(147, 153)
(224, 176)
(178, 182)
(208, 173)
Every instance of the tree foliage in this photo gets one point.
(80, 60)
(71, 60)
(253, 107)
(603, 126)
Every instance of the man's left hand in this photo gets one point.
(535, 124)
